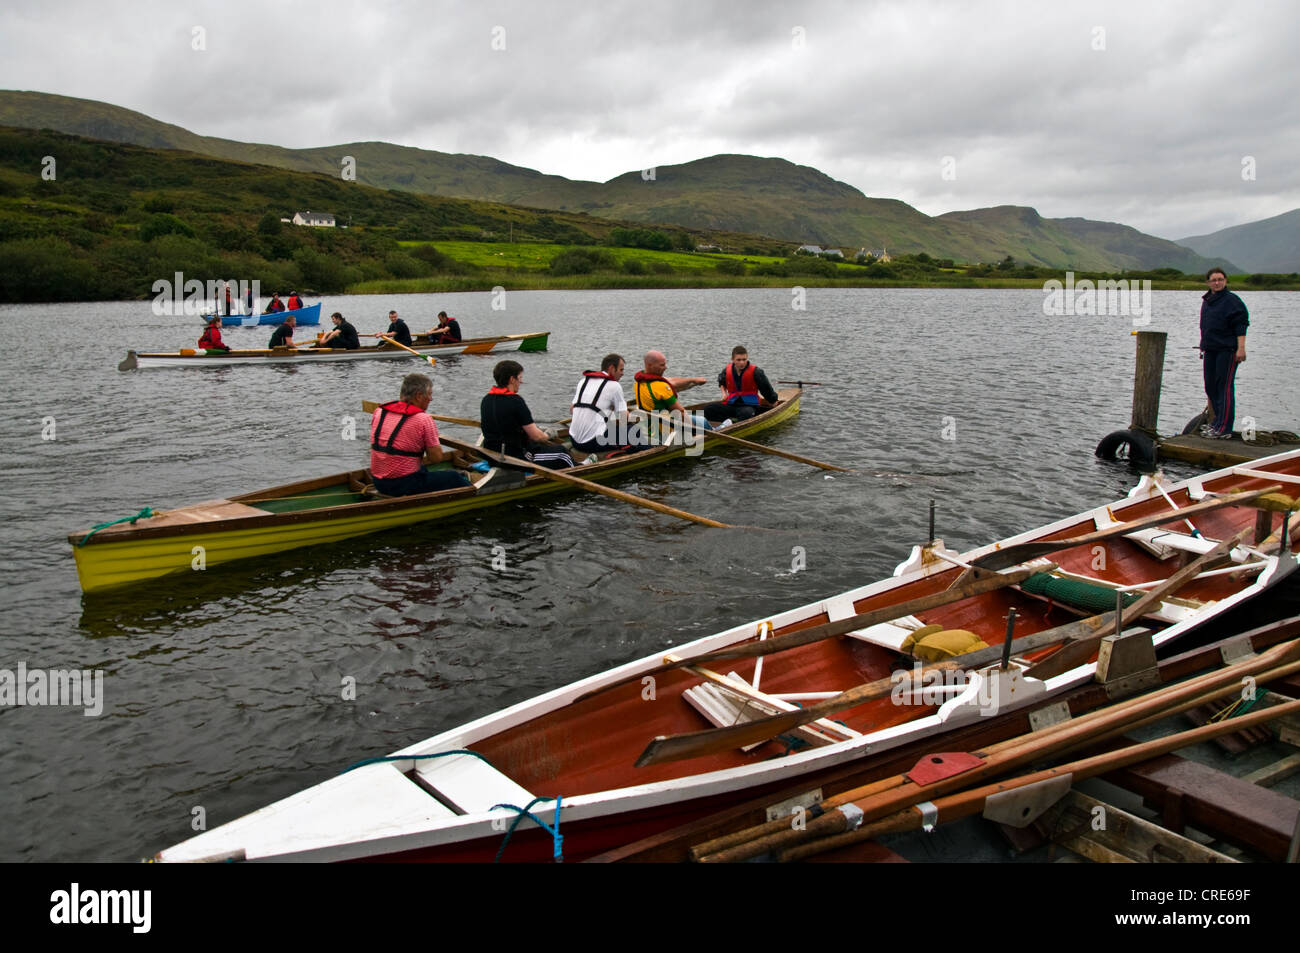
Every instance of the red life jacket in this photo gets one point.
(743, 391)
(406, 411)
(211, 338)
(295, 303)
(643, 377)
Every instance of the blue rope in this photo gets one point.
(143, 514)
(557, 839)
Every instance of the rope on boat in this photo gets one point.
(557, 839)
(143, 514)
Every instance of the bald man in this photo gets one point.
(657, 394)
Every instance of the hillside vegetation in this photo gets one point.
(725, 193)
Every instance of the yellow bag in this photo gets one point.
(934, 643)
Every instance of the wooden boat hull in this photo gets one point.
(432, 801)
(205, 535)
(309, 315)
(532, 342)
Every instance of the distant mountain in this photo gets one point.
(1271, 245)
(734, 193)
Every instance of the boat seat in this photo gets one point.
(469, 785)
(1164, 544)
(723, 706)
(889, 635)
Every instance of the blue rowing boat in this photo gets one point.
(310, 315)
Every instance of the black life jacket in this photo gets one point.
(605, 381)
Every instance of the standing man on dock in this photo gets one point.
(1224, 320)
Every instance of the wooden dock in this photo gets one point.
(1215, 454)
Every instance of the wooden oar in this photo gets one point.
(424, 357)
(560, 476)
(1023, 552)
(1080, 644)
(370, 406)
(739, 441)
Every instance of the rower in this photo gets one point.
(283, 335)
(275, 304)
(343, 336)
(403, 437)
(600, 422)
(397, 330)
(508, 423)
(656, 394)
(211, 339)
(745, 390)
(447, 331)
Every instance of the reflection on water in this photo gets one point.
(225, 688)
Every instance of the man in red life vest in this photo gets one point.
(447, 331)
(294, 302)
(403, 438)
(275, 304)
(745, 390)
(211, 339)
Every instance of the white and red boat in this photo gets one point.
(1195, 548)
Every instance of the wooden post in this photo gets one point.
(1147, 377)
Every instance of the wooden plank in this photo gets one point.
(1271, 774)
(1123, 837)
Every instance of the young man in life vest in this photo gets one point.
(275, 305)
(403, 438)
(508, 423)
(657, 396)
(447, 331)
(745, 390)
(294, 302)
(600, 423)
(211, 339)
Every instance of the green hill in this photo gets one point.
(732, 193)
(1270, 245)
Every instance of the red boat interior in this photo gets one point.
(592, 744)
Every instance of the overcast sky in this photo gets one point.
(1177, 118)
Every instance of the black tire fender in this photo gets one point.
(1132, 445)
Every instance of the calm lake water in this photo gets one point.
(223, 688)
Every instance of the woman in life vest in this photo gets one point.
(211, 339)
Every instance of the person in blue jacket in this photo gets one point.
(1224, 320)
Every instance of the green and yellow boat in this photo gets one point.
(310, 512)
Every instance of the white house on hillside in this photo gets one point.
(319, 219)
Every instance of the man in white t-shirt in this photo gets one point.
(600, 422)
